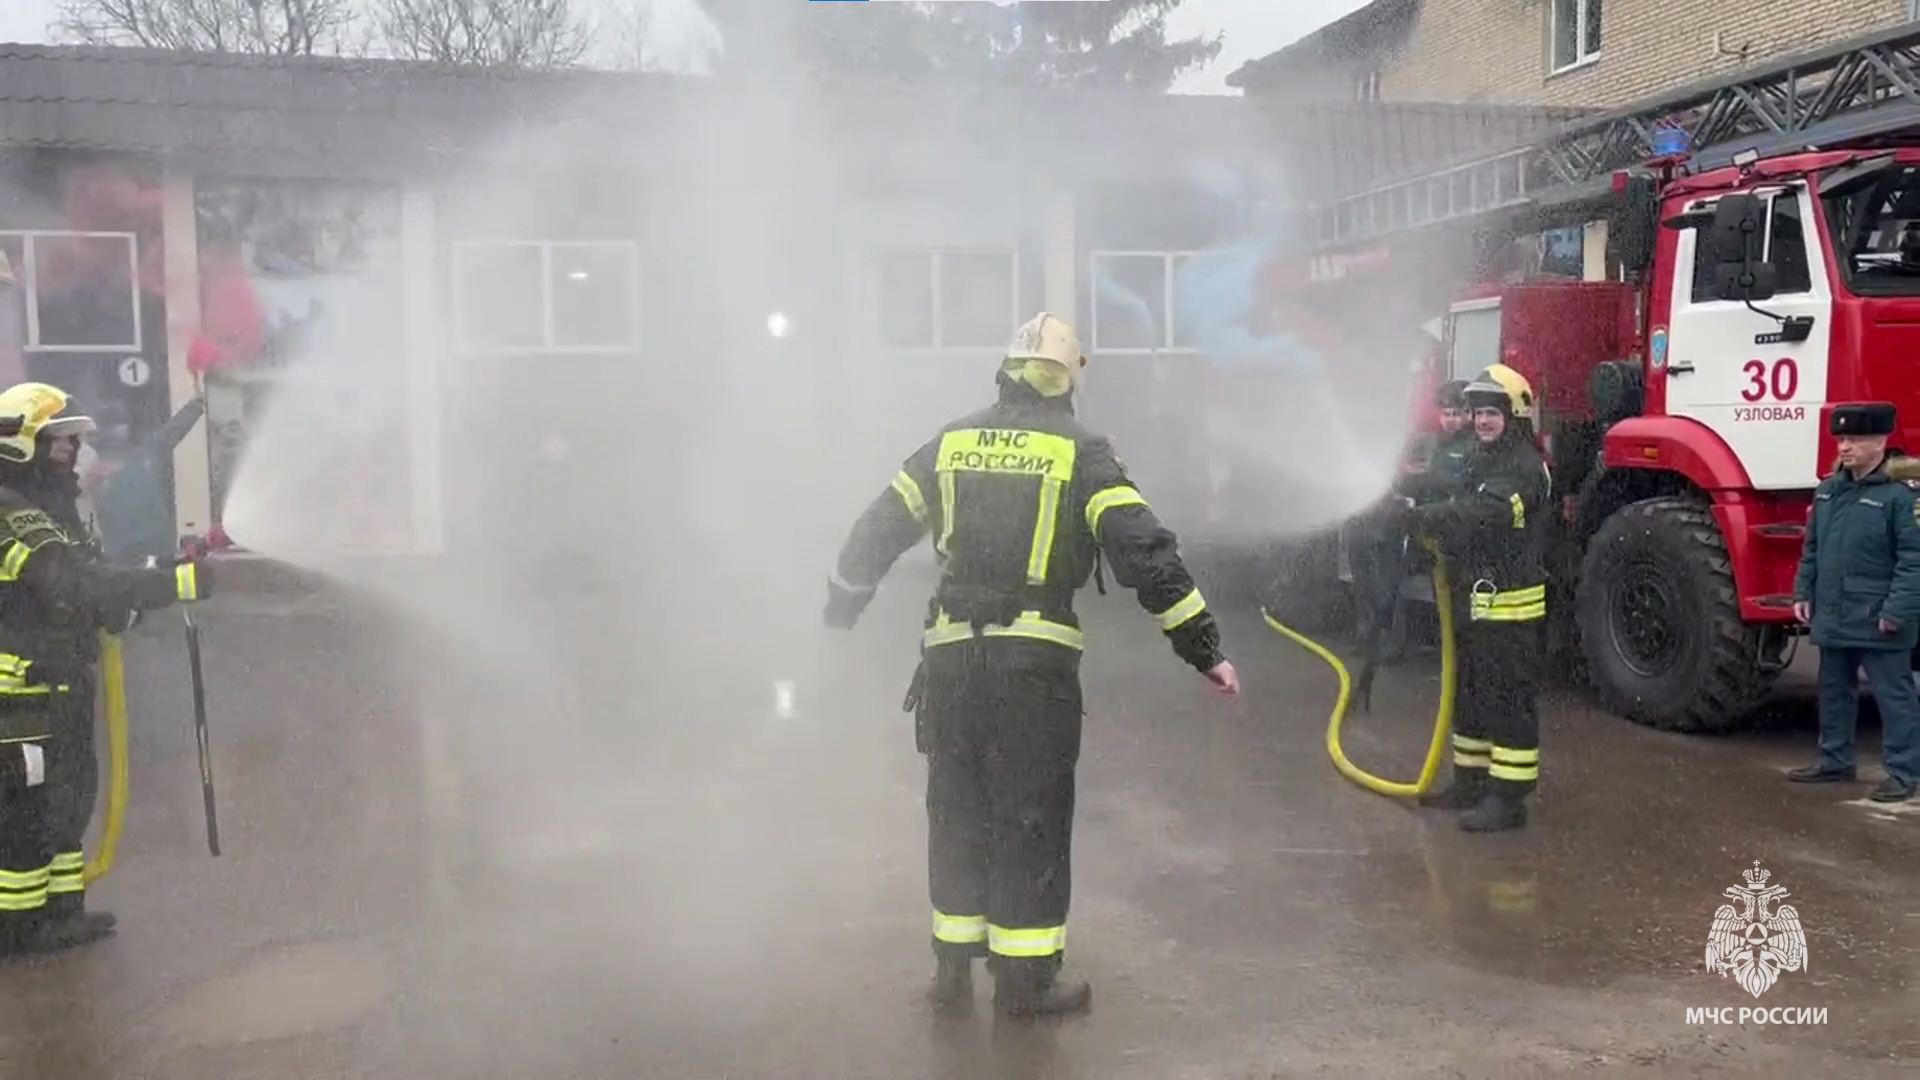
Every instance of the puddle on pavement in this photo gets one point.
(281, 993)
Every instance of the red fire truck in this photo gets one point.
(1763, 258)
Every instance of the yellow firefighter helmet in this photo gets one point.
(32, 410)
(1499, 387)
(1046, 355)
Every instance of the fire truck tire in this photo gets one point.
(1659, 620)
(1303, 587)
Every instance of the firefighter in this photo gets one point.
(58, 594)
(1442, 457)
(1022, 501)
(1489, 529)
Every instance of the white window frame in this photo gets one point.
(548, 344)
(1366, 85)
(28, 278)
(1470, 307)
(1168, 259)
(1584, 52)
(939, 311)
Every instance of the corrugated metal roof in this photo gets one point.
(313, 116)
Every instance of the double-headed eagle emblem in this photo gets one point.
(1751, 943)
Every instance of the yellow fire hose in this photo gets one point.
(1443, 716)
(113, 687)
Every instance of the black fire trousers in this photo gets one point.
(1001, 730)
(1496, 719)
(26, 846)
(73, 790)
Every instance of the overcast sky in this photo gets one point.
(1252, 28)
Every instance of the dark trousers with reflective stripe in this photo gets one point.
(73, 790)
(1002, 738)
(26, 846)
(1496, 720)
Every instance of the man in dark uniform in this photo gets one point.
(1490, 531)
(1442, 456)
(56, 595)
(1021, 500)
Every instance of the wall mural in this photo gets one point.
(301, 304)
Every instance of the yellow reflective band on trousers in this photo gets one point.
(1471, 753)
(14, 562)
(1107, 499)
(959, 929)
(909, 492)
(1045, 941)
(1030, 624)
(23, 891)
(1513, 605)
(1183, 611)
(1520, 766)
(14, 671)
(186, 582)
(67, 874)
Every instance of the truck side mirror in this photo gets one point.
(1631, 227)
(1738, 236)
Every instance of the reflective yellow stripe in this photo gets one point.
(946, 513)
(1519, 510)
(909, 491)
(1183, 611)
(1029, 624)
(1521, 766)
(1007, 451)
(14, 561)
(23, 891)
(959, 929)
(186, 582)
(1108, 498)
(67, 874)
(15, 679)
(1044, 526)
(1042, 942)
(1467, 744)
(1514, 605)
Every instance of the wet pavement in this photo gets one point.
(648, 872)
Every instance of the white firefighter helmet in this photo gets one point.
(1045, 354)
(32, 410)
(1499, 386)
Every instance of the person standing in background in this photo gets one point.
(1858, 591)
(127, 484)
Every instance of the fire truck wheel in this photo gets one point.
(1659, 620)
(1303, 587)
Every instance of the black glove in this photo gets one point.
(844, 604)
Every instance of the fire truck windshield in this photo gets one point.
(1876, 231)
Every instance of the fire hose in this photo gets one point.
(113, 687)
(1443, 715)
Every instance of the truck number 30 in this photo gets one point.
(1779, 380)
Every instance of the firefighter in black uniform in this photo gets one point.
(1490, 530)
(1442, 457)
(56, 595)
(1022, 500)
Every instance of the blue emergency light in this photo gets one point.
(1670, 140)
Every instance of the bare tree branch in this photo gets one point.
(513, 33)
(274, 27)
(628, 32)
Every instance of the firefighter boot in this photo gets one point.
(60, 934)
(1496, 813)
(1469, 786)
(1024, 988)
(71, 906)
(952, 989)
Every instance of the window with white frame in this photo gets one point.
(1366, 85)
(1574, 36)
(1151, 300)
(949, 298)
(78, 291)
(546, 296)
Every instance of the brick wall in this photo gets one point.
(1495, 51)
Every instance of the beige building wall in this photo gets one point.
(1496, 51)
